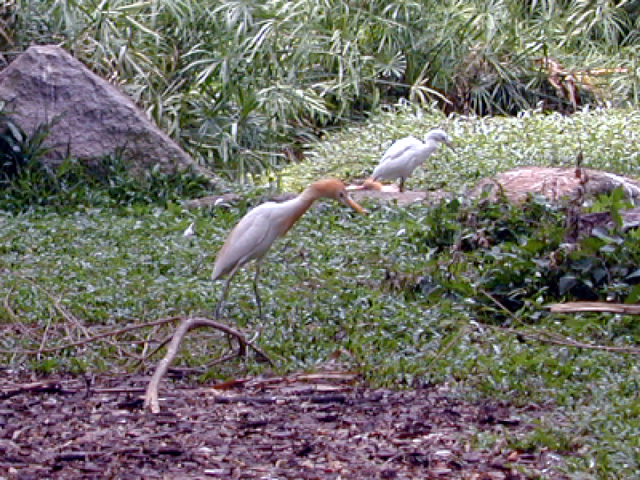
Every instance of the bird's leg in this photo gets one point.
(223, 296)
(226, 289)
(255, 289)
(402, 184)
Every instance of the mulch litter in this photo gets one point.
(318, 426)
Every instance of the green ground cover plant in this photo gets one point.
(451, 293)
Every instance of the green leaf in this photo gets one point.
(566, 283)
(634, 295)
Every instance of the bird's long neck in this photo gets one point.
(299, 206)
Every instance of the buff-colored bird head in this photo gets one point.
(334, 188)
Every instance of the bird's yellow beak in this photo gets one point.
(349, 201)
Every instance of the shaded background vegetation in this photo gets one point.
(454, 293)
(244, 84)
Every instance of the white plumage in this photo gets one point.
(407, 154)
(252, 237)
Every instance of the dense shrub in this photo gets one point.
(242, 85)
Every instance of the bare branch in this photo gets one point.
(557, 339)
(97, 337)
(15, 320)
(57, 305)
(571, 307)
(151, 400)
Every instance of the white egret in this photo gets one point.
(260, 227)
(407, 154)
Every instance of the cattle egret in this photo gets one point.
(260, 227)
(407, 154)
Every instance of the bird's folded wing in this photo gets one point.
(251, 237)
(399, 148)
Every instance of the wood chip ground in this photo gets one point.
(302, 427)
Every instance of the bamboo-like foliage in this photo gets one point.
(240, 83)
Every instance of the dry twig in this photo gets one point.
(570, 307)
(151, 400)
(58, 306)
(97, 337)
(15, 320)
(557, 339)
